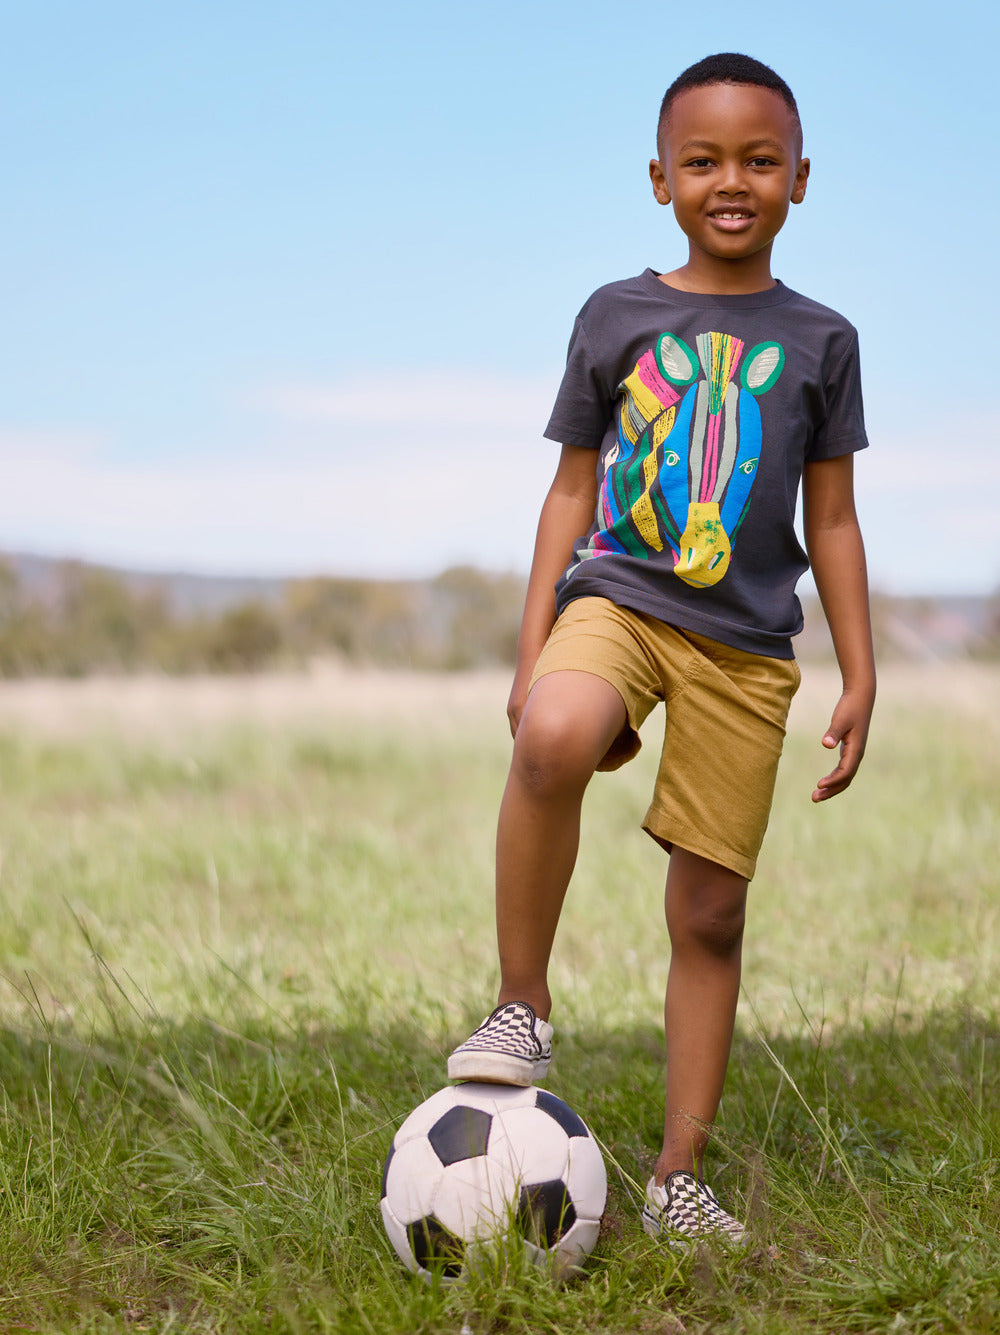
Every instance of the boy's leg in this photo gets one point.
(705, 906)
(569, 723)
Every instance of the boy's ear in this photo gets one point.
(799, 185)
(661, 191)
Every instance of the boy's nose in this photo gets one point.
(732, 183)
(731, 180)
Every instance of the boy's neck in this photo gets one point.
(733, 278)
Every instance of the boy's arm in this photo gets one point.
(567, 512)
(837, 555)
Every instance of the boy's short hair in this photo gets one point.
(726, 67)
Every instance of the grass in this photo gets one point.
(235, 953)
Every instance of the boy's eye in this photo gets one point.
(761, 162)
(699, 162)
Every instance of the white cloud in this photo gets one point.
(438, 502)
(929, 501)
(458, 406)
(437, 480)
(48, 447)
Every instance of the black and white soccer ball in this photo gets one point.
(476, 1162)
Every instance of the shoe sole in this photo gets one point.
(494, 1068)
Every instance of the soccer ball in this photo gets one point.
(478, 1162)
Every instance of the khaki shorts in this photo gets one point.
(724, 727)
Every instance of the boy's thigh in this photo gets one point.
(594, 636)
(723, 736)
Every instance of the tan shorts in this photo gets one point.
(724, 727)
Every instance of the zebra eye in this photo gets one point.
(748, 467)
(671, 458)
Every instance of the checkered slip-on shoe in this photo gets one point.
(511, 1047)
(685, 1210)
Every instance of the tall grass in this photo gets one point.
(235, 956)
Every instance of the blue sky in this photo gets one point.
(287, 288)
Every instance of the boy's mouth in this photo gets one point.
(731, 220)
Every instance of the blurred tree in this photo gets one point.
(481, 614)
(100, 623)
(25, 635)
(363, 621)
(244, 639)
(990, 647)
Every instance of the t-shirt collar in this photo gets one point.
(771, 296)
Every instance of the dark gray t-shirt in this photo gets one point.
(704, 410)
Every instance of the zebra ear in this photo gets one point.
(761, 367)
(675, 361)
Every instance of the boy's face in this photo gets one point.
(730, 163)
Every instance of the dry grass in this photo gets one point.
(154, 705)
(150, 705)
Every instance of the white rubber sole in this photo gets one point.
(494, 1068)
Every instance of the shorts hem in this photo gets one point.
(660, 826)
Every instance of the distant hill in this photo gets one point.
(188, 594)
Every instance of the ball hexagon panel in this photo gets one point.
(397, 1235)
(533, 1144)
(576, 1245)
(474, 1197)
(411, 1179)
(586, 1177)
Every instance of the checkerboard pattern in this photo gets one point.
(686, 1210)
(511, 1046)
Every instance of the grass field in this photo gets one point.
(244, 922)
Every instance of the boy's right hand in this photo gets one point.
(518, 696)
(848, 730)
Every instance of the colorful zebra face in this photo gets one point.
(688, 444)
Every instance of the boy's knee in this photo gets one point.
(712, 922)
(550, 754)
(569, 722)
(718, 929)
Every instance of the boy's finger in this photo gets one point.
(837, 731)
(840, 778)
(829, 787)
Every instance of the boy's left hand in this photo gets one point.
(849, 730)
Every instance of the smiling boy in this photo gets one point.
(694, 405)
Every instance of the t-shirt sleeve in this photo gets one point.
(842, 430)
(583, 404)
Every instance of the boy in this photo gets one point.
(692, 405)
